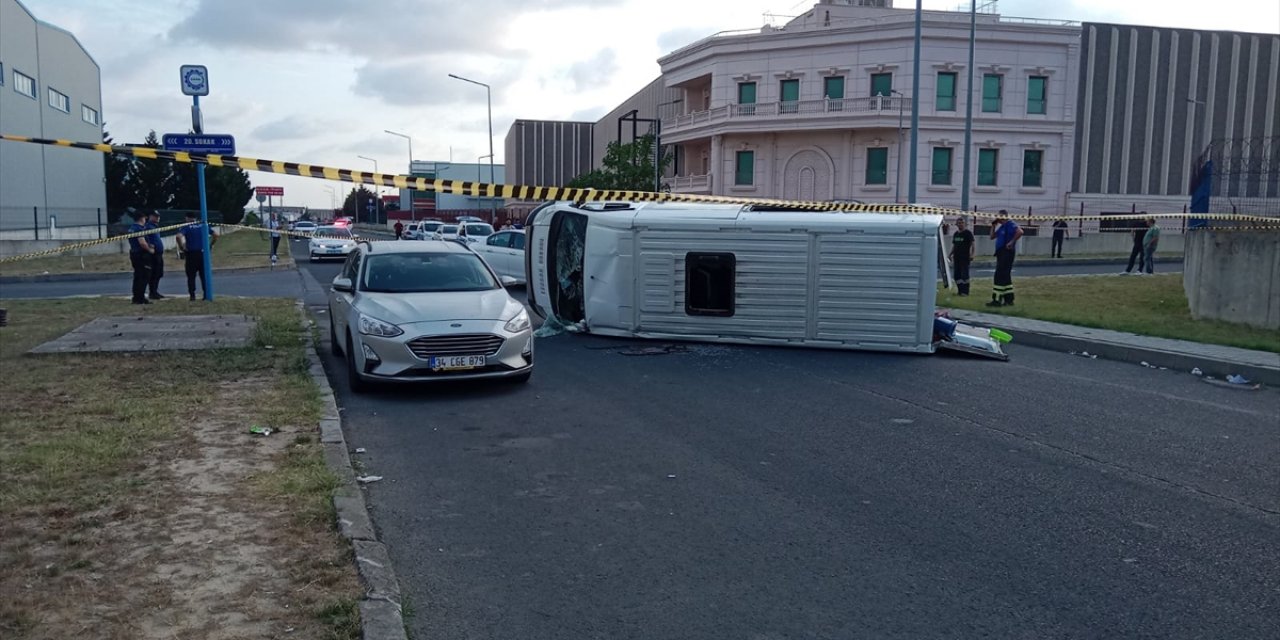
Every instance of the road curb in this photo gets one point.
(116, 275)
(1070, 262)
(381, 615)
(1173, 360)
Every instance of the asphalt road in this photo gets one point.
(733, 492)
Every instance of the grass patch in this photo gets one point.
(1146, 305)
(342, 619)
(238, 249)
(100, 467)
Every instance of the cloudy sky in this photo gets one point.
(318, 81)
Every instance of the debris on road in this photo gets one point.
(359, 449)
(1236, 378)
(260, 431)
(1196, 371)
(368, 479)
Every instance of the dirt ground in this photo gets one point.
(209, 532)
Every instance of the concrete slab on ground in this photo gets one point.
(154, 333)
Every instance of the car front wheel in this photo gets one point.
(355, 380)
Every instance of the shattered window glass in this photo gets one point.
(568, 239)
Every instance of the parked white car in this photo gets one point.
(304, 226)
(474, 233)
(446, 232)
(331, 242)
(426, 311)
(504, 253)
(422, 230)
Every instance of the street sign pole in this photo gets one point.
(204, 214)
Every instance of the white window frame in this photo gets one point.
(86, 109)
(18, 76)
(65, 107)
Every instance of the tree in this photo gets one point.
(227, 190)
(625, 166)
(357, 205)
(151, 181)
(116, 169)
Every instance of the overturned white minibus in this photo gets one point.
(742, 274)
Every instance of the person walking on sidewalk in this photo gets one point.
(962, 250)
(1139, 233)
(157, 256)
(140, 258)
(1006, 233)
(399, 229)
(1149, 242)
(1059, 235)
(191, 245)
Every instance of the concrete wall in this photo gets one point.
(19, 247)
(50, 178)
(1234, 276)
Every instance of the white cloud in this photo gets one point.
(317, 81)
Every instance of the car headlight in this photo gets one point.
(518, 323)
(371, 326)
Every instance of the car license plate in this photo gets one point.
(454, 363)
(335, 249)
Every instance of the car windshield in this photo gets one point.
(449, 228)
(431, 226)
(306, 224)
(426, 272)
(333, 232)
(479, 230)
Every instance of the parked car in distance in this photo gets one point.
(462, 219)
(426, 311)
(421, 229)
(474, 232)
(331, 242)
(504, 253)
(446, 232)
(304, 226)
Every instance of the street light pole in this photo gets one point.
(915, 108)
(488, 92)
(968, 108)
(897, 186)
(412, 214)
(375, 193)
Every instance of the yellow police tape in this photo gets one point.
(572, 194)
(88, 243)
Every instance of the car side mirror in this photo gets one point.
(343, 284)
(508, 281)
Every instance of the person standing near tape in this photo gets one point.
(1150, 240)
(1059, 236)
(962, 250)
(140, 252)
(1006, 233)
(157, 256)
(273, 223)
(191, 244)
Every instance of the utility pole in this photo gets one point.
(915, 109)
(968, 107)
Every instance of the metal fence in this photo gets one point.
(41, 223)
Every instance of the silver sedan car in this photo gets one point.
(426, 311)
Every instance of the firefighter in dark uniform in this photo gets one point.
(191, 244)
(962, 250)
(1006, 233)
(157, 256)
(140, 252)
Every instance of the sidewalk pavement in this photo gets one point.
(121, 275)
(1120, 261)
(1182, 355)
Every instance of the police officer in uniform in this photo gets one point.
(140, 252)
(191, 244)
(962, 250)
(157, 256)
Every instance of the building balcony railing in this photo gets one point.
(875, 106)
(691, 184)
